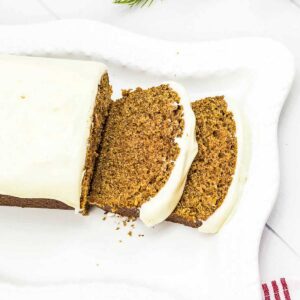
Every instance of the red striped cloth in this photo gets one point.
(276, 290)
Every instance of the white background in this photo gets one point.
(194, 20)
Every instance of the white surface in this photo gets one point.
(245, 70)
(46, 112)
(191, 20)
(159, 208)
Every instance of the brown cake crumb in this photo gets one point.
(130, 233)
(103, 101)
(138, 149)
(211, 172)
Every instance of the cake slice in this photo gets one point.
(148, 147)
(214, 180)
(52, 113)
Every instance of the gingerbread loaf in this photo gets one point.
(65, 144)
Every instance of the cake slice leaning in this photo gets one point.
(148, 147)
(216, 176)
(52, 114)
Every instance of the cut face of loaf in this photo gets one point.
(148, 147)
(214, 167)
(209, 177)
(100, 114)
(51, 118)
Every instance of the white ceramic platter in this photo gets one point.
(52, 254)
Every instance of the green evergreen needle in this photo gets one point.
(134, 2)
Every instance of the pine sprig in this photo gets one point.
(134, 2)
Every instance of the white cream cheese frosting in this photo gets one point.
(159, 207)
(214, 223)
(46, 108)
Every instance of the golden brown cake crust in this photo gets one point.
(34, 203)
(139, 149)
(134, 213)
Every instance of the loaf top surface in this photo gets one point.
(46, 109)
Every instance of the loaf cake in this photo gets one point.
(65, 144)
(148, 147)
(52, 113)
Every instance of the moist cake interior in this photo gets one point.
(101, 110)
(138, 149)
(211, 173)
